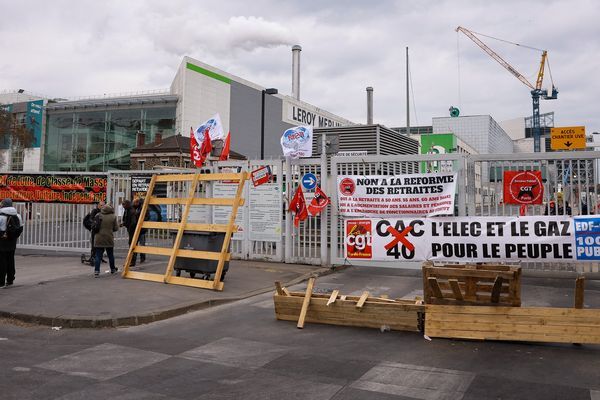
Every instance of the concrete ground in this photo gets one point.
(240, 351)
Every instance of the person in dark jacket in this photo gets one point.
(104, 240)
(8, 245)
(87, 223)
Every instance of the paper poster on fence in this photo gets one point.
(481, 239)
(395, 195)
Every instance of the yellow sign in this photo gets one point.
(567, 138)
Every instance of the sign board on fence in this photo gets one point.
(309, 181)
(266, 213)
(481, 239)
(49, 188)
(261, 175)
(221, 214)
(393, 195)
(567, 138)
(523, 187)
(357, 153)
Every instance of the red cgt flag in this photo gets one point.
(225, 152)
(195, 150)
(298, 206)
(205, 148)
(318, 203)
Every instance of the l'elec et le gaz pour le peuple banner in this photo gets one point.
(484, 239)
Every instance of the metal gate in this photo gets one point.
(384, 165)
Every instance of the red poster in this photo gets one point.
(523, 187)
(47, 188)
(358, 239)
(261, 175)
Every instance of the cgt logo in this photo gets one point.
(400, 234)
(359, 241)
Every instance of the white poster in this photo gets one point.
(297, 142)
(474, 239)
(221, 214)
(395, 195)
(266, 212)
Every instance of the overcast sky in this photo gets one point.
(79, 48)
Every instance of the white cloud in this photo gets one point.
(66, 48)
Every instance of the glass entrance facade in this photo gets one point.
(80, 139)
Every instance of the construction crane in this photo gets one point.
(536, 91)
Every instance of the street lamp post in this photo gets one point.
(269, 91)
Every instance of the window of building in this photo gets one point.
(17, 157)
(164, 162)
(186, 163)
(142, 164)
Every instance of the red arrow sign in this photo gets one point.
(400, 237)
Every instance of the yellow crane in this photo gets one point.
(536, 91)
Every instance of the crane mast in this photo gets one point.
(536, 91)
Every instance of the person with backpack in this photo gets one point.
(11, 227)
(88, 220)
(104, 226)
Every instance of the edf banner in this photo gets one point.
(481, 239)
(395, 195)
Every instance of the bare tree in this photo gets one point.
(13, 132)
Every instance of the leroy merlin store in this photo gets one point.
(98, 134)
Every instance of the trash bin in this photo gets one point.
(204, 241)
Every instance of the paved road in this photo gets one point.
(239, 351)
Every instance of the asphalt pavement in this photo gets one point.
(239, 350)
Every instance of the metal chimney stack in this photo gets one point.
(296, 49)
(369, 105)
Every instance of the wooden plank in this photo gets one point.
(333, 297)
(279, 288)
(343, 297)
(455, 289)
(480, 287)
(198, 283)
(202, 177)
(187, 227)
(474, 273)
(496, 289)
(237, 201)
(355, 298)
(219, 201)
(286, 291)
(165, 251)
(579, 292)
(145, 276)
(384, 296)
(363, 298)
(305, 303)
(564, 325)
(435, 288)
(345, 313)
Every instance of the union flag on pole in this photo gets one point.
(205, 148)
(298, 207)
(195, 154)
(225, 152)
(318, 203)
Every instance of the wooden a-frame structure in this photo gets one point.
(173, 253)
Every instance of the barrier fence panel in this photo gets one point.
(385, 165)
(307, 243)
(569, 181)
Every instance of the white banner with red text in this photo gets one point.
(396, 195)
(469, 239)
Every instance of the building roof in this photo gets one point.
(175, 144)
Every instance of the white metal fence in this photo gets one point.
(267, 231)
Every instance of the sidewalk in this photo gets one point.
(61, 291)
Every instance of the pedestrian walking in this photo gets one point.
(105, 225)
(11, 227)
(88, 220)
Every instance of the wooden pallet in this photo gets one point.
(488, 284)
(182, 226)
(531, 324)
(336, 309)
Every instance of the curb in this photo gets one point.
(92, 322)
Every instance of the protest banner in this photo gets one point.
(523, 187)
(46, 188)
(395, 195)
(481, 239)
(297, 142)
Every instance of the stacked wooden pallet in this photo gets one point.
(488, 284)
(336, 309)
